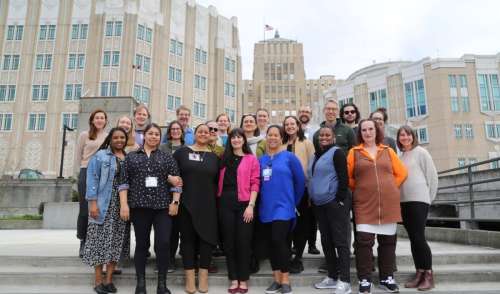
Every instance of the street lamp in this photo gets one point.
(64, 143)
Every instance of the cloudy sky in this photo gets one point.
(340, 37)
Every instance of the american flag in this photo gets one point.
(268, 28)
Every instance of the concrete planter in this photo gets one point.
(11, 224)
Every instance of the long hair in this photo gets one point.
(256, 133)
(169, 128)
(300, 132)
(229, 151)
(107, 142)
(92, 128)
(409, 131)
(131, 131)
(358, 114)
(379, 137)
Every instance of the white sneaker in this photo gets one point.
(326, 283)
(343, 288)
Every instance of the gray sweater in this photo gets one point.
(422, 182)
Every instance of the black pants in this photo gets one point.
(302, 230)
(236, 240)
(313, 230)
(143, 219)
(414, 219)
(334, 225)
(83, 212)
(192, 244)
(277, 234)
(174, 238)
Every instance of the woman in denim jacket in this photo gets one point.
(106, 231)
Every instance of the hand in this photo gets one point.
(175, 181)
(248, 214)
(173, 209)
(125, 212)
(93, 209)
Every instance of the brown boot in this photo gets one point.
(427, 282)
(416, 280)
(190, 281)
(203, 280)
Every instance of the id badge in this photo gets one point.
(151, 182)
(194, 156)
(267, 173)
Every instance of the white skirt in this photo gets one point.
(383, 229)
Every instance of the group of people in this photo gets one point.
(256, 191)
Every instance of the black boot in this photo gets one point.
(140, 288)
(162, 284)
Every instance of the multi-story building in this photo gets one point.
(279, 81)
(454, 103)
(163, 53)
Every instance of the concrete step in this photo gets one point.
(441, 288)
(83, 275)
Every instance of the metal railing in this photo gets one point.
(470, 183)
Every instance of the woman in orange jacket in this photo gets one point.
(375, 174)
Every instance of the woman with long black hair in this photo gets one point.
(106, 232)
(238, 187)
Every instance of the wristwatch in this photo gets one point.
(176, 202)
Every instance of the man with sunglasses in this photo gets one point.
(349, 115)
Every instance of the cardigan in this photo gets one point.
(422, 182)
(247, 178)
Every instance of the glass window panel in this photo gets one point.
(118, 28)
(43, 32)
(10, 32)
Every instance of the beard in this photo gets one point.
(304, 119)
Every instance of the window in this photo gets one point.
(149, 35)
(468, 131)
(178, 75)
(70, 120)
(6, 121)
(10, 62)
(113, 28)
(230, 65)
(144, 33)
(36, 121)
(461, 162)
(422, 134)
(489, 92)
(494, 164)
(106, 58)
(15, 32)
(143, 63)
(47, 32)
(81, 61)
(378, 99)
(199, 109)
(7, 93)
(116, 58)
(465, 104)
(111, 58)
(142, 94)
(72, 92)
(416, 104)
(10, 32)
(173, 102)
(43, 62)
(171, 73)
(457, 129)
(40, 93)
(229, 89)
(147, 64)
(452, 81)
(344, 101)
(492, 130)
(200, 82)
(19, 33)
(231, 113)
(140, 32)
(76, 61)
(176, 47)
(454, 104)
(79, 31)
(109, 88)
(200, 56)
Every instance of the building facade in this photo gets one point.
(454, 103)
(163, 53)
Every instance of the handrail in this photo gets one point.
(470, 184)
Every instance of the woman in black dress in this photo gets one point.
(199, 169)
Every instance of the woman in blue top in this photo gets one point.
(106, 231)
(282, 187)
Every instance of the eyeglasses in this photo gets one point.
(346, 112)
(211, 129)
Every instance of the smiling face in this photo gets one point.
(350, 114)
(331, 111)
(213, 128)
(237, 142)
(141, 117)
(379, 118)
(368, 132)
(152, 137)
(99, 120)
(175, 131)
(223, 123)
(273, 138)
(406, 140)
(326, 137)
(118, 140)
(202, 135)
(291, 127)
(262, 119)
(183, 117)
(249, 124)
(305, 114)
(125, 123)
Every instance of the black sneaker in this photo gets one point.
(274, 288)
(365, 287)
(313, 250)
(296, 266)
(286, 289)
(110, 288)
(100, 289)
(389, 285)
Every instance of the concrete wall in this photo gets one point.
(25, 196)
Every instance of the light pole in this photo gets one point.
(64, 143)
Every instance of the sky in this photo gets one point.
(341, 37)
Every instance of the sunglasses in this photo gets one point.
(349, 112)
(211, 129)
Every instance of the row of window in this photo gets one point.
(142, 94)
(111, 58)
(142, 63)
(200, 82)
(200, 56)
(279, 71)
(489, 92)
(176, 47)
(200, 109)
(175, 74)
(47, 32)
(229, 64)
(38, 121)
(378, 99)
(144, 33)
(113, 28)
(463, 131)
(280, 89)
(79, 31)
(10, 62)
(231, 113)
(229, 90)
(15, 32)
